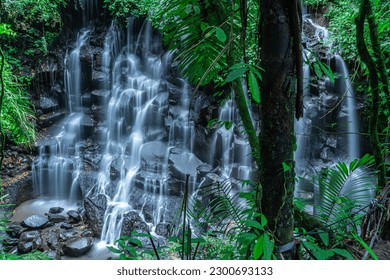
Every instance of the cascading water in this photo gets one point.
(351, 129)
(56, 169)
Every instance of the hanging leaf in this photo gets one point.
(197, 10)
(327, 71)
(228, 125)
(236, 73)
(254, 224)
(188, 9)
(221, 35)
(254, 87)
(268, 246)
(317, 70)
(324, 237)
(258, 248)
(263, 220)
(286, 167)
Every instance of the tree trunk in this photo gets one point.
(278, 100)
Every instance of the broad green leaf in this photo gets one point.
(286, 167)
(324, 237)
(135, 241)
(238, 65)
(344, 253)
(197, 10)
(212, 122)
(247, 237)
(235, 74)
(268, 246)
(254, 224)
(188, 9)
(263, 220)
(228, 125)
(323, 254)
(317, 70)
(254, 87)
(258, 248)
(221, 36)
(114, 250)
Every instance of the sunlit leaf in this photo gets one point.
(221, 35)
(258, 248)
(235, 74)
(254, 87)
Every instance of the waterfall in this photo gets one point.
(351, 128)
(56, 170)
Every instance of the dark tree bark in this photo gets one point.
(279, 43)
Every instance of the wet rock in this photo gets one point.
(331, 142)
(74, 217)
(99, 79)
(56, 218)
(66, 226)
(52, 240)
(183, 163)
(77, 246)
(35, 221)
(327, 154)
(56, 210)
(133, 222)
(25, 247)
(15, 230)
(53, 254)
(164, 229)
(48, 104)
(95, 208)
(100, 97)
(29, 235)
(37, 244)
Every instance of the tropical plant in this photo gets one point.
(345, 190)
(17, 116)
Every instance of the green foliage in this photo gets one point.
(122, 9)
(318, 246)
(234, 213)
(17, 117)
(131, 247)
(343, 190)
(35, 24)
(33, 256)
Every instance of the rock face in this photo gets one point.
(95, 208)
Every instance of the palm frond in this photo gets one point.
(220, 204)
(345, 189)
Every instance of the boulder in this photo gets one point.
(35, 221)
(77, 246)
(56, 218)
(133, 222)
(56, 210)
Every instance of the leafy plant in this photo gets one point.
(233, 212)
(132, 248)
(344, 190)
(17, 116)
